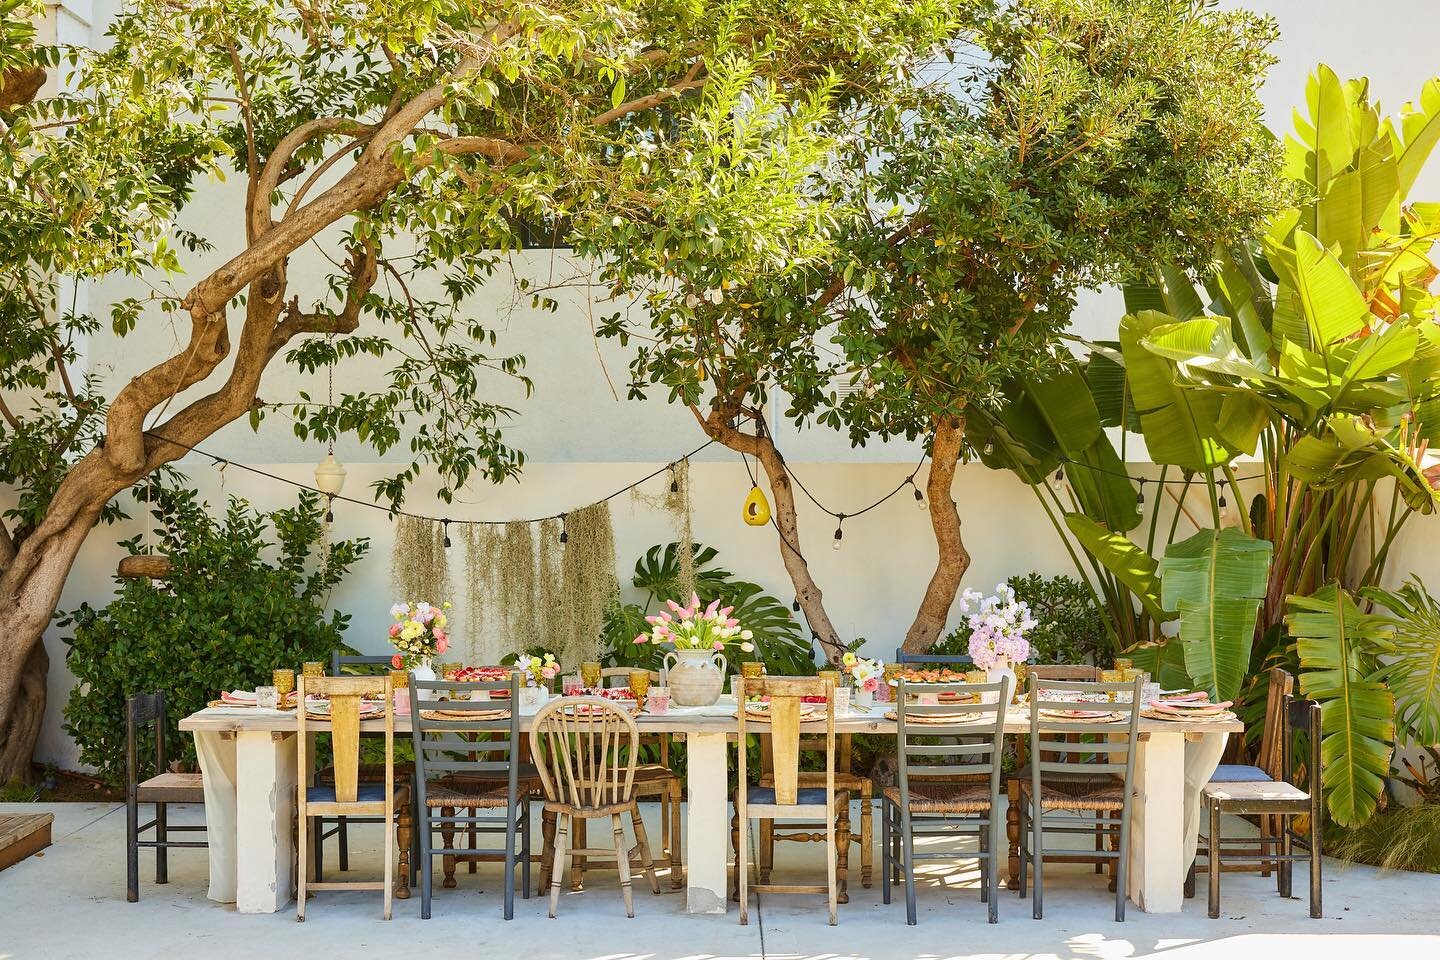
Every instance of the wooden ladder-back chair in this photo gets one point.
(348, 795)
(585, 750)
(1082, 767)
(957, 790)
(652, 780)
(787, 799)
(1083, 672)
(1279, 799)
(469, 774)
(343, 665)
(162, 788)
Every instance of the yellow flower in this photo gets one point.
(848, 659)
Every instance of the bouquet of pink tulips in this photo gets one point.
(692, 627)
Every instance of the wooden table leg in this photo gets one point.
(265, 778)
(1012, 832)
(403, 840)
(447, 840)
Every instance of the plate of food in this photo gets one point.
(937, 719)
(759, 710)
(1085, 716)
(938, 675)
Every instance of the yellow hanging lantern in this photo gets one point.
(757, 508)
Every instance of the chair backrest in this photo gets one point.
(906, 656)
(1086, 672)
(346, 705)
(584, 749)
(339, 662)
(142, 710)
(1060, 746)
(1302, 716)
(450, 744)
(970, 751)
(623, 673)
(1271, 755)
(786, 696)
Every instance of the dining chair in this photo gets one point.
(1080, 770)
(903, 656)
(958, 791)
(585, 750)
(1267, 766)
(1085, 672)
(325, 828)
(468, 758)
(652, 780)
(787, 799)
(1279, 799)
(161, 788)
(350, 700)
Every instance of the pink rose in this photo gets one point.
(397, 661)
(394, 629)
(442, 636)
(872, 685)
(442, 645)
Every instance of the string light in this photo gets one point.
(1140, 495)
(796, 605)
(445, 525)
(989, 447)
(674, 483)
(919, 497)
(839, 533)
(564, 529)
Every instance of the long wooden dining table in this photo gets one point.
(248, 759)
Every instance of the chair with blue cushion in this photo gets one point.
(350, 699)
(787, 798)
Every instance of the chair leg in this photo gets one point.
(547, 848)
(984, 841)
(907, 847)
(524, 828)
(1013, 832)
(867, 833)
(842, 834)
(132, 848)
(767, 849)
(427, 862)
(342, 834)
(1037, 859)
(1212, 847)
(509, 908)
(162, 833)
(993, 827)
(557, 858)
(885, 865)
(673, 844)
(473, 842)
(1315, 866)
(447, 840)
(1121, 871)
(577, 864)
(1286, 874)
(832, 877)
(302, 839)
(387, 851)
(736, 840)
(740, 831)
(622, 863)
(403, 844)
(643, 842)
(1021, 849)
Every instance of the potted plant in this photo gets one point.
(418, 633)
(697, 664)
(998, 627)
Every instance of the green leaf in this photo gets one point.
(1417, 135)
(1338, 646)
(1131, 565)
(1411, 668)
(1216, 580)
(1332, 305)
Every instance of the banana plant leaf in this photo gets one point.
(1338, 646)
(1164, 660)
(1130, 565)
(1412, 670)
(1417, 135)
(1349, 450)
(1181, 426)
(1216, 580)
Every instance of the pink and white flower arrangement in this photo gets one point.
(418, 633)
(693, 627)
(538, 671)
(863, 672)
(998, 625)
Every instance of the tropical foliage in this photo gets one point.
(245, 594)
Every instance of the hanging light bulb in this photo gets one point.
(796, 605)
(839, 533)
(445, 525)
(989, 447)
(674, 482)
(564, 530)
(1060, 475)
(1140, 496)
(919, 497)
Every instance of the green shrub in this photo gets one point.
(1070, 629)
(1396, 838)
(233, 608)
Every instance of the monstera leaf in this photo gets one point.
(1412, 670)
(1216, 580)
(1339, 646)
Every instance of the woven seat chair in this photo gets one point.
(470, 765)
(652, 781)
(162, 788)
(856, 786)
(585, 750)
(404, 773)
(347, 795)
(1278, 800)
(1083, 768)
(787, 799)
(957, 792)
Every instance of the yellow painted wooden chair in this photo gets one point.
(348, 795)
(787, 799)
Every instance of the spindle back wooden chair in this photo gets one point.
(787, 798)
(585, 750)
(947, 788)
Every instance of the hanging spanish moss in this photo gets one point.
(418, 567)
(675, 500)
(587, 581)
(482, 547)
(550, 596)
(515, 595)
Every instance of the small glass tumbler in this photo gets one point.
(313, 668)
(572, 686)
(751, 669)
(266, 698)
(842, 699)
(658, 701)
(639, 684)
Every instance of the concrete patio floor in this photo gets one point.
(70, 902)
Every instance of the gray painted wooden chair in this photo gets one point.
(585, 749)
(161, 788)
(1274, 800)
(472, 765)
(339, 827)
(1082, 776)
(948, 788)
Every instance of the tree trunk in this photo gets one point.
(19, 734)
(720, 426)
(953, 560)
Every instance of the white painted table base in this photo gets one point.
(250, 801)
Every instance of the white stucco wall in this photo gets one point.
(583, 443)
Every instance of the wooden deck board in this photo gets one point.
(22, 835)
